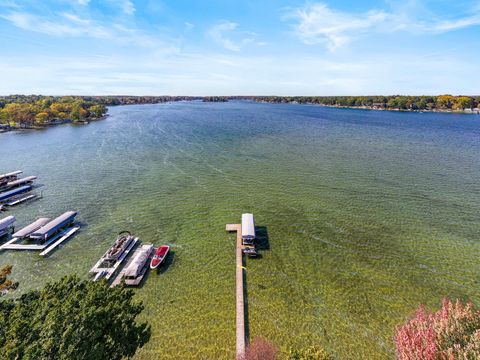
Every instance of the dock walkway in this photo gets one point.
(47, 247)
(240, 322)
(66, 234)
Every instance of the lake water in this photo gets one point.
(363, 216)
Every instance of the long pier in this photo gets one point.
(240, 322)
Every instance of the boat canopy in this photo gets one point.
(138, 262)
(7, 222)
(53, 226)
(8, 194)
(10, 175)
(248, 227)
(27, 230)
(21, 181)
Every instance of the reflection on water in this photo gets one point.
(368, 214)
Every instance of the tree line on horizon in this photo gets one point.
(392, 102)
(30, 111)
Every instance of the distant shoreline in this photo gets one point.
(466, 111)
(37, 112)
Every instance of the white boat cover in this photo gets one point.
(53, 226)
(138, 262)
(248, 227)
(14, 173)
(21, 181)
(27, 230)
(6, 222)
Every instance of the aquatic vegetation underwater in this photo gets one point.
(361, 215)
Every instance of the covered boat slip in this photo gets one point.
(248, 228)
(18, 182)
(110, 271)
(52, 227)
(53, 234)
(4, 196)
(9, 176)
(136, 268)
(6, 225)
(29, 229)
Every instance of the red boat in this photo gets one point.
(159, 256)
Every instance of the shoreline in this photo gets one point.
(466, 112)
(8, 128)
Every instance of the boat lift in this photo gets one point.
(49, 234)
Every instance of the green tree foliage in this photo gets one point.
(463, 102)
(33, 111)
(72, 319)
(309, 353)
(394, 102)
(6, 284)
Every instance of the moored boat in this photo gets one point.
(123, 240)
(159, 256)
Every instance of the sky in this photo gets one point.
(243, 47)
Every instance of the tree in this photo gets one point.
(463, 102)
(445, 101)
(41, 118)
(97, 111)
(5, 284)
(453, 332)
(72, 319)
(19, 113)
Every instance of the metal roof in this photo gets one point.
(14, 173)
(27, 230)
(248, 226)
(6, 222)
(8, 194)
(54, 225)
(21, 181)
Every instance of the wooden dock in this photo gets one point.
(240, 322)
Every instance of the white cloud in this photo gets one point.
(444, 26)
(68, 24)
(317, 23)
(233, 74)
(225, 34)
(217, 34)
(65, 24)
(127, 7)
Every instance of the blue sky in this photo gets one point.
(245, 47)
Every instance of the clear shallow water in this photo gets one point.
(367, 214)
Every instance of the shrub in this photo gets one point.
(260, 349)
(451, 333)
(309, 353)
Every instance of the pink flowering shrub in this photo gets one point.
(260, 349)
(451, 333)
